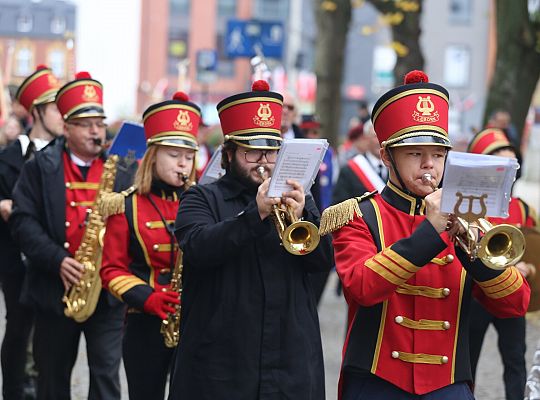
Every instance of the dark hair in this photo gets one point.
(228, 147)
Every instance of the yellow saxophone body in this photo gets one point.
(81, 299)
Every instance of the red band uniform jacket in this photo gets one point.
(137, 257)
(48, 221)
(409, 290)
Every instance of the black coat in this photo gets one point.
(347, 186)
(249, 327)
(11, 162)
(37, 224)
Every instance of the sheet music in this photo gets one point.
(213, 170)
(477, 175)
(298, 159)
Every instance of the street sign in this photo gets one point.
(207, 60)
(243, 36)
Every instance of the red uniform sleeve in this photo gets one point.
(115, 274)
(369, 276)
(505, 296)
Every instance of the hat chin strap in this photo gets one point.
(394, 166)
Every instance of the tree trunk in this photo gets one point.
(405, 36)
(333, 18)
(517, 67)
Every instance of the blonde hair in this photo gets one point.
(146, 171)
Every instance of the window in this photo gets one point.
(57, 62)
(226, 8)
(177, 51)
(457, 60)
(24, 23)
(24, 58)
(179, 7)
(58, 25)
(460, 11)
(225, 66)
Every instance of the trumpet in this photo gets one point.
(298, 237)
(184, 177)
(500, 246)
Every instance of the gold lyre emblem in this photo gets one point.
(90, 94)
(264, 116)
(183, 121)
(425, 110)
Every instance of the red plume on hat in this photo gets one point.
(83, 75)
(415, 76)
(260, 86)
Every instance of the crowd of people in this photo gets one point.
(208, 257)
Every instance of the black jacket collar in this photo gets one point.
(402, 201)
(231, 187)
(165, 191)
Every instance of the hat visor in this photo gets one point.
(176, 142)
(87, 112)
(262, 143)
(421, 140)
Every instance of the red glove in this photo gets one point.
(160, 303)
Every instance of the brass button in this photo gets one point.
(155, 247)
(449, 258)
(399, 319)
(148, 224)
(72, 203)
(444, 359)
(67, 224)
(68, 185)
(164, 271)
(164, 289)
(66, 245)
(395, 354)
(446, 325)
(446, 292)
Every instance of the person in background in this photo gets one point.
(249, 326)
(321, 190)
(353, 145)
(363, 173)
(289, 128)
(408, 288)
(36, 94)
(511, 331)
(10, 131)
(140, 249)
(51, 200)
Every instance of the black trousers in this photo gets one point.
(146, 358)
(511, 343)
(371, 387)
(19, 321)
(56, 344)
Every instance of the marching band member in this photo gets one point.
(140, 248)
(407, 287)
(511, 331)
(36, 94)
(249, 327)
(51, 200)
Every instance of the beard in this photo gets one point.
(242, 175)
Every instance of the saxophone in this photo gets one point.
(81, 299)
(170, 327)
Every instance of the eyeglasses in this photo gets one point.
(88, 124)
(254, 156)
(289, 107)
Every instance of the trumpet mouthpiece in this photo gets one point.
(427, 179)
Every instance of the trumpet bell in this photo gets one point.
(300, 238)
(502, 246)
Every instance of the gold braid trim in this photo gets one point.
(420, 358)
(335, 217)
(113, 203)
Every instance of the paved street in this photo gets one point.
(332, 317)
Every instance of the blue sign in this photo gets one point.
(244, 36)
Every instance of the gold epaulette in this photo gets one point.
(113, 203)
(339, 215)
